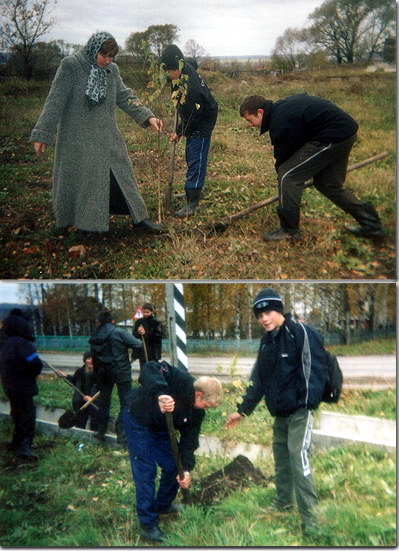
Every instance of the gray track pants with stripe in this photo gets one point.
(327, 165)
(293, 477)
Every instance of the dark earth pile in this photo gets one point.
(237, 475)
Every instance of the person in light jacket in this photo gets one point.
(92, 176)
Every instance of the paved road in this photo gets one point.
(362, 371)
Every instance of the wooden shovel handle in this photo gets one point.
(175, 446)
(66, 380)
(89, 402)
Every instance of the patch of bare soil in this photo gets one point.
(237, 475)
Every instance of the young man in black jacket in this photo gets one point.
(149, 329)
(109, 347)
(164, 388)
(290, 374)
(20, 366)
(198, 113)
(312, 138)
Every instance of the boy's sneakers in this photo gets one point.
(173, 508)
(281, 508)
(151, 532)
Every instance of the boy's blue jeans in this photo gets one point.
(197, 150)
(147, 449)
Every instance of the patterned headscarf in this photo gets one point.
(96, 89)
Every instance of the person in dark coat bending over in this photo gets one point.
(312, 138)
(149, 329)
(198, 114)
(20, 366)
(164, 388)
(290, 374)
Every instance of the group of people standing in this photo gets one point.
(290, 374)
(93, 176)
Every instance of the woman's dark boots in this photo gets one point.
(289, 226)
(150, 226)
(192, 201)
(370, 223)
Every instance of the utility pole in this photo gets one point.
(176, 325)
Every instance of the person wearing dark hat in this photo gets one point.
(149, 330)
(198, 114)
(20, 366)
(85, 380)
(290, 374)
(312, 139)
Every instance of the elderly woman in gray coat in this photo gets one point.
(93, 176)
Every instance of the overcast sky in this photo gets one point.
(9, 292)
(221, 27)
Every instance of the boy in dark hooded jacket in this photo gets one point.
(198, 114)
(109, 348)
(149, 329)
(290, 374)
(19, 367)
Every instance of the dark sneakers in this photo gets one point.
(358, 231)
(151, 532)
(276, 507)
(281, 233)
(173, 508)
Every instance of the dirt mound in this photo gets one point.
(237, 475)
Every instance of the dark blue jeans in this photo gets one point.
(147, 449)
(197, 159)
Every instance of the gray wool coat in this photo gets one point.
(88, 146)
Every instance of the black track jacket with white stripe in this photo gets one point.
(290, 371)
(298, 119)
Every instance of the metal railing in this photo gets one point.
(216, 346)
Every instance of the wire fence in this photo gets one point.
(217, 346)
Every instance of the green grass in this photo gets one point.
(85, 498)
(240, 173)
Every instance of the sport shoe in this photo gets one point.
(280, 508)
(151, 532)
(358, 231)
(173, 508)
(280, 233)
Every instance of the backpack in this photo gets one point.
(101, 351)
(334, 382)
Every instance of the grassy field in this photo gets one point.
(84, 496)
(240, 173)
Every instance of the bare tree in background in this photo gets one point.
(194, 50)
(353, 30)
(23, 23)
